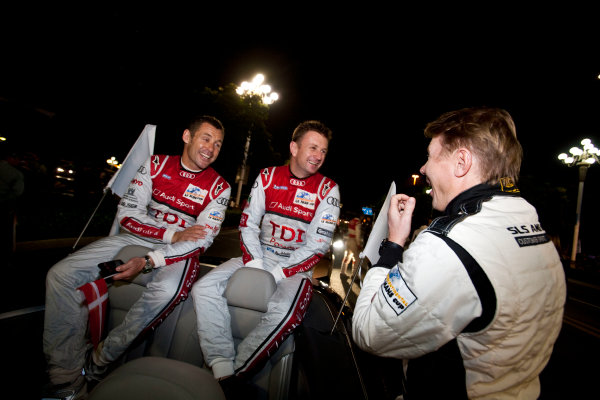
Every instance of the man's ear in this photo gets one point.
(187, 136)
(463, 162)
(293, 148)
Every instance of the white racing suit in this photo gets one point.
(285, 229)
(163, 198)
(482, 331)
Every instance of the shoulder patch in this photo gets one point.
(325, 187)
(396, 292)
(219, 185)
(266, 175)
(157, 163)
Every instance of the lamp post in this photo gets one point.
(113, 162)
(583, 159)
(256, 87)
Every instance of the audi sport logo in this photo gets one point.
(188, 175)
(297, 182)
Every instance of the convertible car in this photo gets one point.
(319, 360)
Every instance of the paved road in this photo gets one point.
(571, 373)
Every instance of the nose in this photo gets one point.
(211, 147)
(422, 170)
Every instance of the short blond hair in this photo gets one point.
(489, 133)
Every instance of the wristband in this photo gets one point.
(390, 253)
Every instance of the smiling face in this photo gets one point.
(202, 147)
(308, 154)
(439, 172)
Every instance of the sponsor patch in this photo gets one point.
(507, 184)
(396, 293)
(195, 194)
(325, 232)
(243, 220)
(216, 216)
(218, 189)
(333, 201)
(532, 240)
(185, 174)
(278, 252)
(325, 189)
(328, 219)
(537, 234)
(305, 199)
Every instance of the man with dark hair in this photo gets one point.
(475, 304)
(285, 229)
(175, 205)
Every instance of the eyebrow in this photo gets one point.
(209, 134)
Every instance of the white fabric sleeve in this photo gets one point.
(250, 228)
(133, 206)
(418, 305)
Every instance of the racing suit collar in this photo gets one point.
(476, 194)
(294, 176)
(183, 167)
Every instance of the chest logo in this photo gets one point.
(297, 182)
(195, 194)
(188, 175)
(305, 199)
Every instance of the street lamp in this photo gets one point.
(583, 159)
(113, 162)
(256, 87)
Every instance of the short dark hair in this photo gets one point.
(197, 121)
(311, 125)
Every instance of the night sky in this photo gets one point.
(376, 76)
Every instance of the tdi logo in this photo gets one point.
(286, 233)
(169, 218)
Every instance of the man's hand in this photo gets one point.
(130, 269)
(400, 218)
(191, 234)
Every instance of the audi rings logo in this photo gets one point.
(297, 182)
(188, 175)
(333, 201)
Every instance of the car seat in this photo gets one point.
(248, 292)
(176, 337)
(158, 378)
